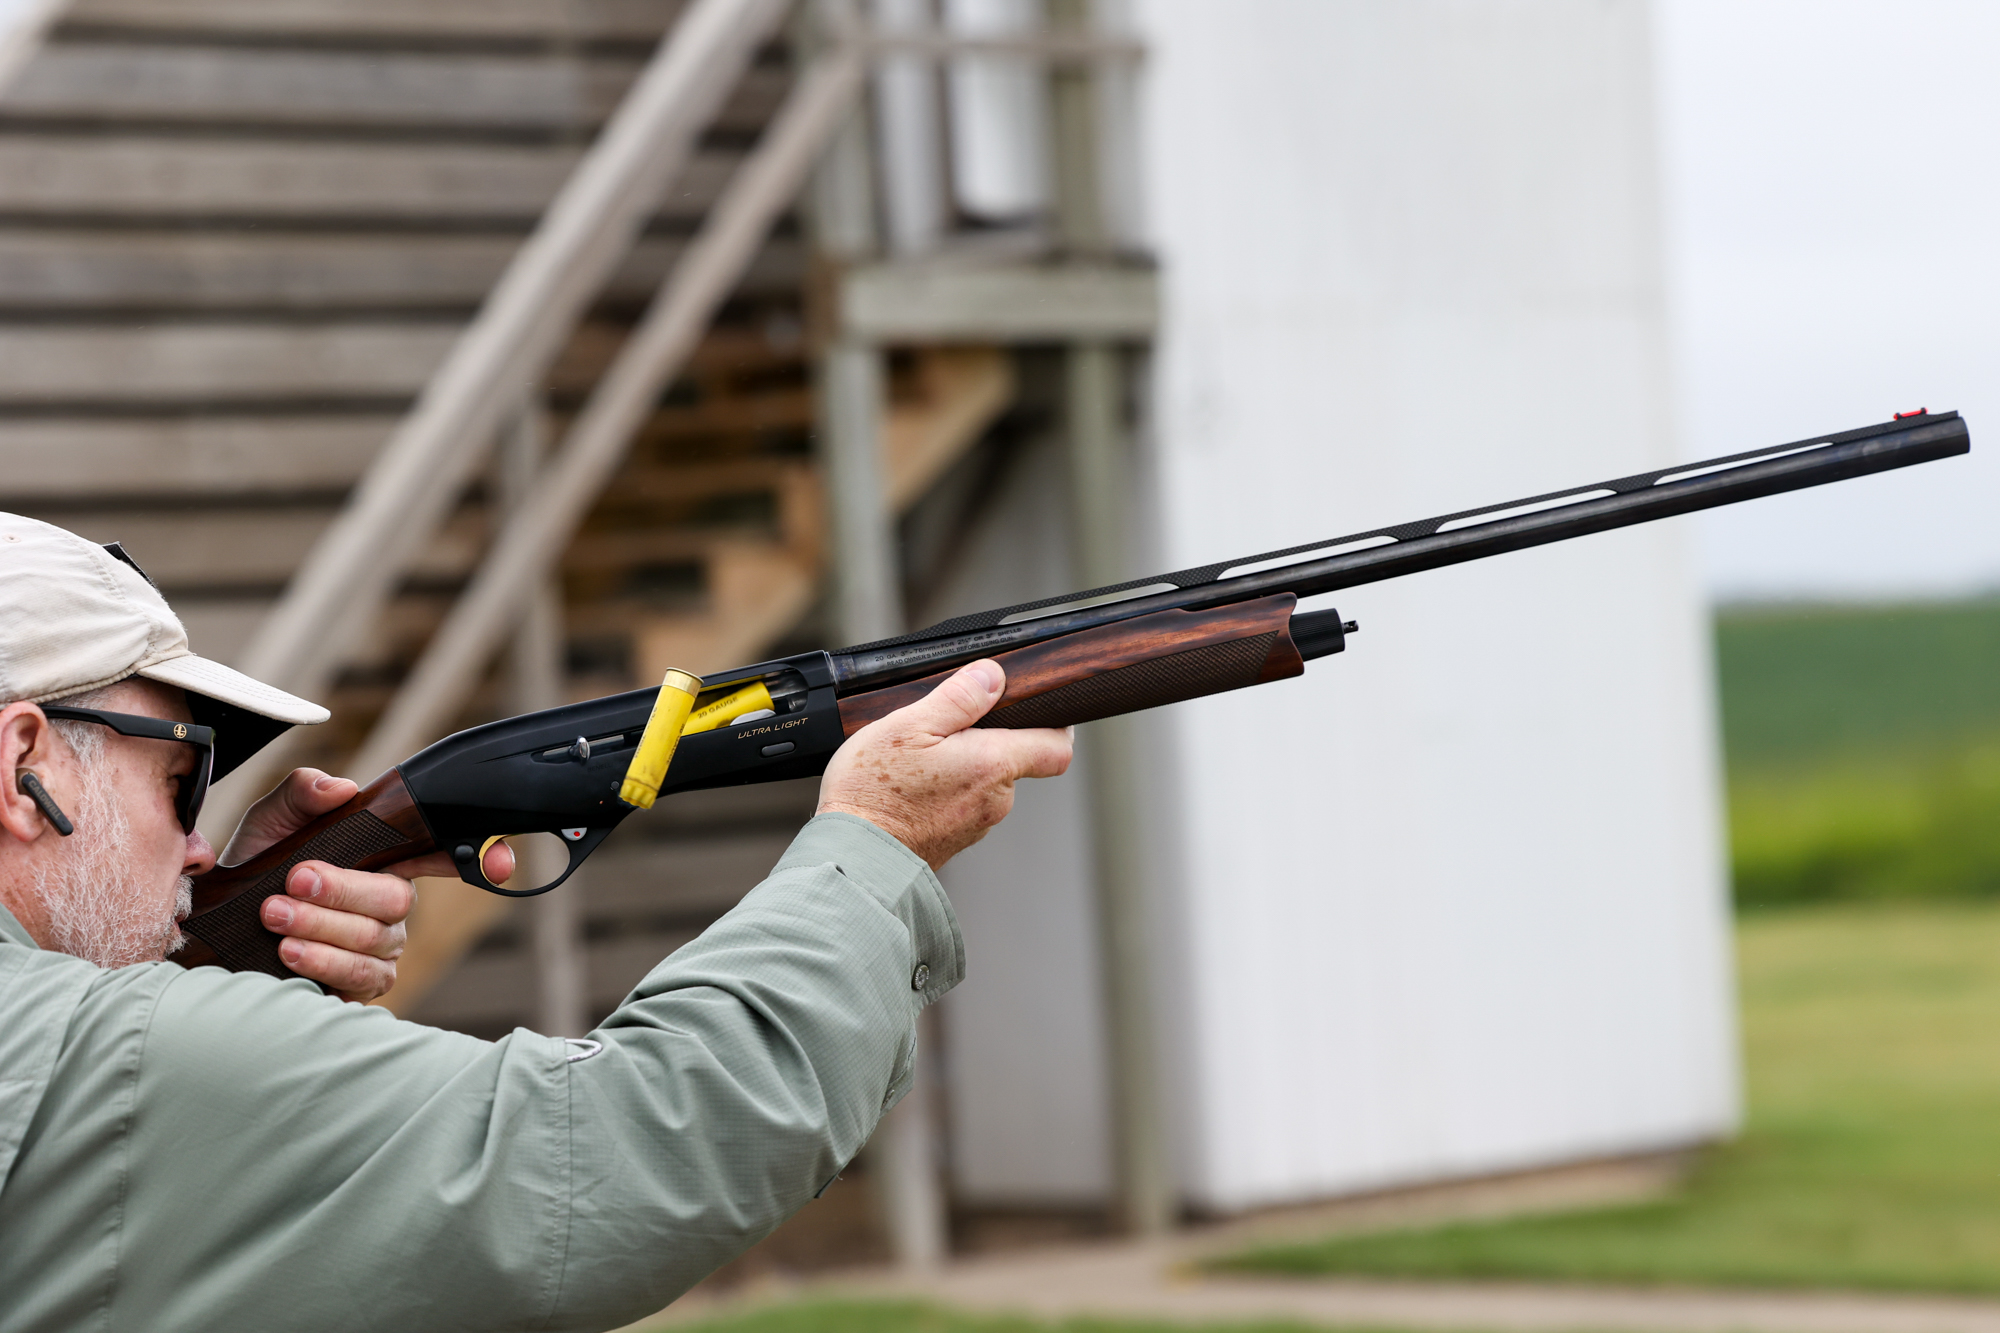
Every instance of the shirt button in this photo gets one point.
(921, 977)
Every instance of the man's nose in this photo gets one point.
(200, 856)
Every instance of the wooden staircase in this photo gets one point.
(237, 236)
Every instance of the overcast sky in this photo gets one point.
(1834, 215)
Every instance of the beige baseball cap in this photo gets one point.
(76, 616)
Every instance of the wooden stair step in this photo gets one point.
(183, 458)
(938, 413)
(197, 363)
(654, 485)
(54, 268)
(266, 361)
(601, 552)
(111, 81)
(261, 546)
(256, 548)
(189, 457)
(221, 627)
(715, 367)
(44, 174)
(757, 591)
(478, 20)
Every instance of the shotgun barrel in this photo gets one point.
(1408, 548)
(1068, 659)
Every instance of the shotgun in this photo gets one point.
(578, 771)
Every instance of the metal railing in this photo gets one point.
(411, 486)
(409, 490)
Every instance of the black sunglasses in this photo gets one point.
(194, 787)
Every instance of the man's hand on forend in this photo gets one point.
(342, 928)
(929, 778)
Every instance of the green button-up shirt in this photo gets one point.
(206, 1150)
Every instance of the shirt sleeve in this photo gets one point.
(291, 1154)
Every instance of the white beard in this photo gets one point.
(95, 913)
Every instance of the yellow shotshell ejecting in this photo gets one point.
(750, 699)
(657, 742)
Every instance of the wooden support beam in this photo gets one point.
(1014, 303)
(867, 587)
(1101, 479)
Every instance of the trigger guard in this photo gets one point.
(471, 865)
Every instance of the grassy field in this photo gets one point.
(1864, 771)
(1864, 751)
(1872, 1157)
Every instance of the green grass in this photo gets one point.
(1864, 751)
(876, 1317)
(1872, 1157)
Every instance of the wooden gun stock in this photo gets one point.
(379, 827)
(1163, 658)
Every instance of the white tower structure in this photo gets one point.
(1453, 903)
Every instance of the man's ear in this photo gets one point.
(25, 737)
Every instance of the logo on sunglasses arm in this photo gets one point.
(180, 731)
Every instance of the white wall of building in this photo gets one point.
(1453, 902)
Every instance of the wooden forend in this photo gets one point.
(1163, 658)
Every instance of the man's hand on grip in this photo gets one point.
(925, 775)
(342, 928)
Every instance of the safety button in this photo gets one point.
(773, 751)
(921, 977)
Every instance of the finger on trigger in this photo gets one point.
(498, 863)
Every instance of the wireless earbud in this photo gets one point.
(31, 787)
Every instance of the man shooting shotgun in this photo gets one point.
(202, 1148)
(195, 1149)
